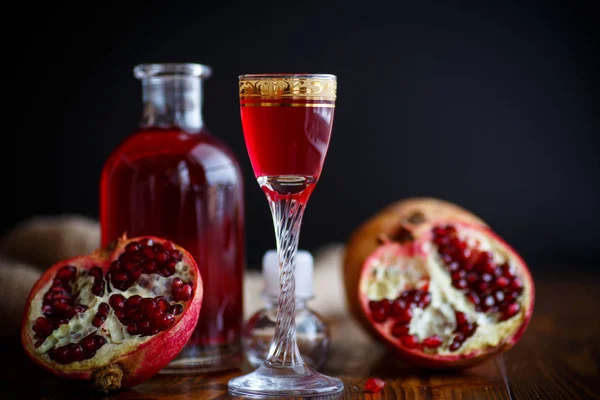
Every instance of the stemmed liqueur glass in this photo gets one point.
(287, 121)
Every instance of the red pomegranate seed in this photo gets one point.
(66, 273)
(103, 309)
(508, 271)
(489, 301)
(399, 329)
(162, 303)
(98, 321)
(472, 278)
(460, 274)
(147, 242)
(186, 292)
(132, 301)
(135, 274)
(161, 256)
(483, 286)
(131, 265)
(99, 341)
(516, 284)
(115, 266)
(98, 289)
(404, 315)
(473, 298)
(380, 310)
(461, 317)
(169, 245)
(155, 316)
(499, 296)
(374, 385)
(466, 329)
(88, 344)
(96, 272)
(117, 301)
(177, 282)
(61, 355)
(119, 277)
(456, 342)
(502, 282)
(176, 255)
(71, 312)
(170, 265)
(176, 309)
(143, 325)
(146, 307)
(425, 301)
(76, 353)
(511, 310)
(432, 342)
(132, 247)
(42, 327)
(460, 284)
(409, 341)
(149, 266)
(166, 322)
(132, 329)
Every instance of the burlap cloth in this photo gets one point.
(39, 242)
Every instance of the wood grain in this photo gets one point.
(557, 358)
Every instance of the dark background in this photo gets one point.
(492, 106)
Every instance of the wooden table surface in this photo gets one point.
(557, 358)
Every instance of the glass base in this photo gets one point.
(271, 381)
(193, 360)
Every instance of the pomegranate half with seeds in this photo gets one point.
(436, 284)
(116, 316)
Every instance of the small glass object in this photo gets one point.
(312, 332)
(287, 121)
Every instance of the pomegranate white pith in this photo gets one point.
(79, 325)
(428, 332)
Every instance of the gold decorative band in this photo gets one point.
(314, 87)
(270, 104)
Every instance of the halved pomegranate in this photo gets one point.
(436, 284)
(116, 316)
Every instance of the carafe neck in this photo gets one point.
(172, 96)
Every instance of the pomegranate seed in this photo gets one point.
(404, 315)
(61, 355)
(460, 284)
(176, 255)
(76, 353)
(115, 266)
(466, 328)
(416, 296)
(487, 277)
(409, 341)
(472, 278)
(98, 321)
(147, 307)
(60, 306)
(96, 272)
(176, 309)
(117, 301)
(158, 247)
(143, 325)
(456, 342)
(508, 271)
(473, 298)
(131, 265)
(71, 312)
(170, 265)
(88, 344)
(461, 317)
(516, 285)
(98, 289)
(510, 296)
(432, 342)
(165, 272)
(499, 296)
(399, 329)
(66, 273)
(132, 301)
(177, 283)
(439, 231)
(166, 322)
(103, 309)
(147, 242)
(511, 310)
(135, 274)
(186, 292)
(99, 341)
(425, 301)
(374, 385)
(132, 247)
(42, 327)
(169, 246)
(119, 277)
(162, 303)
(460, 274)
(502, 282)
(155, 316)
(161, 256)
(132, 329)
(453, 266)
(489, 301)
(149, 266)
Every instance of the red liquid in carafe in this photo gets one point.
(185, 187)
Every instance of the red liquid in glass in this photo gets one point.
(288, 139)
(186, 188)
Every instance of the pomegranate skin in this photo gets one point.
(371, 242)
(132, 363)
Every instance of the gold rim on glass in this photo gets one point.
(290, 86)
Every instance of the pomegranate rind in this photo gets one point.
(138, 361)
(357, 269)
(413, 214)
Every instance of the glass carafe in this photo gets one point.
(172, 178)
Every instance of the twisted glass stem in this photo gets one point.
(287, 212)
